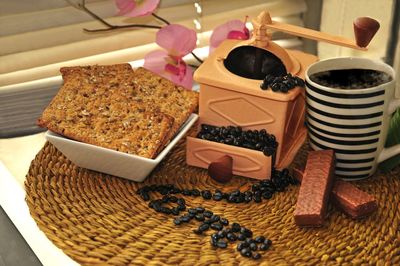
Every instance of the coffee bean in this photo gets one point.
(222, 244)
(246, 232)
(215, 218)
(255, 187)
(166, 210)
(242, 245)
(224, 221)
(195, 192)
(231, 237)
(175, 211)
(145, 196)
(247, 199)
(249, 241)
(181, 207)
(264, 86)
(235, 193)
(165, 199)
(185, 218)
(227, 230)
(173, 199)
(208, 213)
(157, 207)
(217, 197)
(199, 217)
(206, 194)
(246, 252)
(235, 227)
(208, 221)
(276, 87)
(177, 221)
(260, 239)
(213, 242)
(241, 237)
(267, 195)
(221, 234)
(216, 226)
(268, 242)
(164, 191)
(197, 231)
(187, 192)
(203, 227)
(181, 201)
(231, 198)
(253, 246)
(192, 211)
(200, 209)
(175, 191)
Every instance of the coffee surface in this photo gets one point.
(351, 78)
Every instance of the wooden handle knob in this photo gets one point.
(364, 30)
(221, 169)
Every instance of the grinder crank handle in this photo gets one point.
(364, 29)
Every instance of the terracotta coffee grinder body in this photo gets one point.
(230, 95)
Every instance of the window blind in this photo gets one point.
(36, 40)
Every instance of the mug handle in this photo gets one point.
(387, 153)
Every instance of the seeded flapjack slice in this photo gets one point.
(166, 96)
(96, 105)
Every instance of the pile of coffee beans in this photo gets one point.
(281, 83)
(259, 191)
(251, 139)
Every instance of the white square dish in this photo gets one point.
(113, 162)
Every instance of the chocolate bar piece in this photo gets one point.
(353, 201)
(347, 197)
(315, 188)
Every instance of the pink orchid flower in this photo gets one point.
(234, 29)
(177, 41)
(136, 8)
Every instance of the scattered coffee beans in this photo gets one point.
(262, 190)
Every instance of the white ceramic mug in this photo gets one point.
(353, 122)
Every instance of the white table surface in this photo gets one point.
(16, 155)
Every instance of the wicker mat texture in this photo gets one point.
(98, 219)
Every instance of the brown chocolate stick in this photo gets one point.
(315, 189)
(347, 197)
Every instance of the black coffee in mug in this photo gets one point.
(351, 78)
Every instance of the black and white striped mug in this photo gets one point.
(353, 122)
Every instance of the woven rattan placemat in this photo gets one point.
(97, 218)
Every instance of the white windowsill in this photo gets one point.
(12, 197)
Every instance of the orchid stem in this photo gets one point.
(87, 10)
(197, 58)
(160, 18)
(111, 27)
(114, 27)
